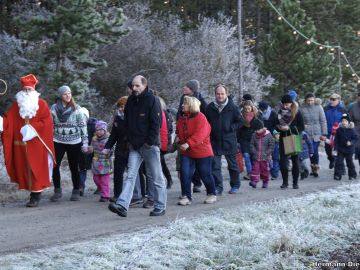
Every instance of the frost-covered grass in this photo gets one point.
(281, 234)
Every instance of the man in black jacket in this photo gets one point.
(142, 121)
(225, 119)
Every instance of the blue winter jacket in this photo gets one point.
(333, 114)
(308, 148)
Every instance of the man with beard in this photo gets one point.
(27, 136)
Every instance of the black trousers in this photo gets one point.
(340, 167)
(120, 164)
(165, 168)
(284, 166)
(73, 153)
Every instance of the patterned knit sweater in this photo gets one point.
(73, 131)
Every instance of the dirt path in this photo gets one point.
(52, 224)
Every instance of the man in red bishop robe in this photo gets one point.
(27, 137)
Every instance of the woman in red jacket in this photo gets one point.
(193, 137)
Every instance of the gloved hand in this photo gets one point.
(184, 146)
(28, 133)
(105, 151)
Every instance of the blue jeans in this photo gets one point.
(233, 168)
(315, 158)
(82, 175)
(274, 163)
(137, 189)
(204, 166)
(151, 156)
(248, 165)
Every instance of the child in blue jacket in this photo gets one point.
(304, 156)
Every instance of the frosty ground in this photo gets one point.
(256, 229)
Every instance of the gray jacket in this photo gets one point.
(262, 148)
(314, 121)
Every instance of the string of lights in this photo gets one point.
(310, 40)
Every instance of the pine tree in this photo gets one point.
(68, 33)
(338, 23)
(292, 62)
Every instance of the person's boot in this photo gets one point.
(295, 184)
(81, 190)
(316, 170)
(75, 195)
(57, 195)
(34, 199)
(302, 175)
(312, 169)
(284, 184)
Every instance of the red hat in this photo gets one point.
(28, 81)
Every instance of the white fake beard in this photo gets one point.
(28, 103)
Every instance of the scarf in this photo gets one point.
(121, 115)
(265, 115)
(285, 117)
(261, 134)
(248, 117)
(63, 113)
(221, 106)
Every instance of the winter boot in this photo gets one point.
(284, 184)
(75, 195)
(57, 195)
(295, 184)
(312, 169)
(316, 170)
(34, 199)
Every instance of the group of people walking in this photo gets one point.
(36, 138)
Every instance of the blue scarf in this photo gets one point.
(265, 115)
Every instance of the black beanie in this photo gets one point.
(263, 105)
(256, 124)
(247, 97)
(286, 99)
(309, 95)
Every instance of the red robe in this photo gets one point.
(27, 163)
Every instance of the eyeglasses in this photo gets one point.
(333, 99)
